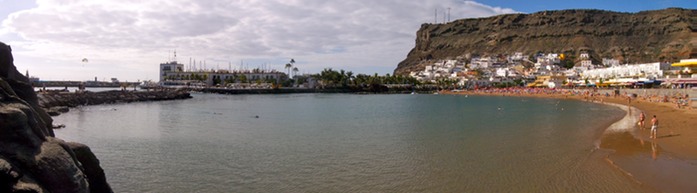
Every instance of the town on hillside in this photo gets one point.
(549, 70)
(552, 70)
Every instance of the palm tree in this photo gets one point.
(288, 67)
(295, 71)
(349, 76)
(342, 77)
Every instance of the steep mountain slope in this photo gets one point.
(647, 36)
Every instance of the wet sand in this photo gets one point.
(665, 164)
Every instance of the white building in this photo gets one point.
(170, 67)
(173, 73)
(482, 62)
(546, 69)
(505, 72)
(649, 70)
(550, 58)
(584, 56)
(610, 62)
(441, 69)
(516, 57)
(586, 61)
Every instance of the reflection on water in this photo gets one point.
(350, 143)
(654, 150)
(645, 161)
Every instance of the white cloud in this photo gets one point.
(134, 34)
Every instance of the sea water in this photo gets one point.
(350, 143)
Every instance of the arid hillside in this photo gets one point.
(647, 36)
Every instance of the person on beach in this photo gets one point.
(642, 117)
(629, 100)
(654, 127)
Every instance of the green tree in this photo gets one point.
(342, 79)
(349, 77)
(216, 80)
(242, 78)
(288, 67)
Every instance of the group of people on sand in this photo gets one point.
(654, 125)
(594, 95)
(680, 100)
(523, 91)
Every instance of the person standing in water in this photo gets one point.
(642, 117)
(654, 127)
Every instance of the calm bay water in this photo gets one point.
(350, 143)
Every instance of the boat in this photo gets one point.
(149, 85)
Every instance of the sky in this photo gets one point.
(128, 39)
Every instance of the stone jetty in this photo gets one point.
(32, 159)
(58, 102)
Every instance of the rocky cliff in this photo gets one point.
(31, 158)
(647, 36)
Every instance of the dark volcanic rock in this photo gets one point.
(647, 36)
(31, 158)
(55, 111)
(57, 101)
(90, 164)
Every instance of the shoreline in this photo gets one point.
(642, 160)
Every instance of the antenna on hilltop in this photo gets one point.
(436, 17)
(444, 16)
(448, 14)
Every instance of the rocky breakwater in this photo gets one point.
(32, 159)
(58, 102)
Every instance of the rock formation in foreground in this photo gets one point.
(31, 158)
(647, 36)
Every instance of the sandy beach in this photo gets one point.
(665, 164)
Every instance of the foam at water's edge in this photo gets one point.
(628, 122)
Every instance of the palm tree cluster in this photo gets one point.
(341, 78)
(290, 66)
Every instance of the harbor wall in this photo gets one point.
(48, 100)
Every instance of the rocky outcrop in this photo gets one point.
(56, 102)
(31, 158)
(647, 36)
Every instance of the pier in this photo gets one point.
(55, 102)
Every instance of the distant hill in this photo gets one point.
(647, 36)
